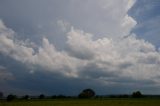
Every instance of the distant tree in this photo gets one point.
(61, 96)
(87, 93)
(41, 96)
(137, 94)
(53, 96)
(1, 95)
(26, 97)
(11, 97)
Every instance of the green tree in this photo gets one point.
(41, 96)
(26, 97)
(87, 93)
(1, 95)
(11, 97)
(137, 94)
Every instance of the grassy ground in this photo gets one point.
(85, 102)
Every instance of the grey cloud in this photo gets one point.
(64, 26)
(93, 71)
(88, 58)
(80, 44)
(5, 74)
(108, 18)
(127, 57)
(99, 17)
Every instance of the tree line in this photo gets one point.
(86, 93)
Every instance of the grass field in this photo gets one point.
(85, 102)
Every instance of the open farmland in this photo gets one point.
(84, 102)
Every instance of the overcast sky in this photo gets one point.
(65, 46)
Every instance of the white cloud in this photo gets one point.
(126, 57)
(63, 25)
(47, 56)
(104, 59)
(115, 19)
(2, 26)
(80, 44)
(130, 3)
(12, 47)
(55, 61)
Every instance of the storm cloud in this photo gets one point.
(116, 58)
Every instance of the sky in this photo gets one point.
(64, 46)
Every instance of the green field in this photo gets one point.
(84, 102)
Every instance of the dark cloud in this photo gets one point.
(92, 70)
(41, 46)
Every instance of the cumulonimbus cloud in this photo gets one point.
(102, 59)
(106, 59)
